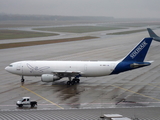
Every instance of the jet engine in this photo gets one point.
(49, 77)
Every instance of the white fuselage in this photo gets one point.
(85, 68)
(55, 70)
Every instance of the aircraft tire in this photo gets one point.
(68, 82)
(22, 80)
(72, 82)
(77, 80)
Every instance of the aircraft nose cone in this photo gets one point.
(6, 68)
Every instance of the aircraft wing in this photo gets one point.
(153, 35)
(66, 73)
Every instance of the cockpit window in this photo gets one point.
(10, 65)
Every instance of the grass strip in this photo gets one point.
(32, 43)
(127, 32)
(78, 29)
(15, 34)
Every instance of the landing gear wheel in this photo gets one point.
(22, 80)
(69, 83)
(72, 82)
(77, 80)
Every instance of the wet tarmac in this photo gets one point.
(132, 89)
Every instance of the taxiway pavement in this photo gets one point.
(137, 88)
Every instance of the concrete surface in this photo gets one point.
(136, 90)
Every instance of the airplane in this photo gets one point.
(55, 70)
(153, 35)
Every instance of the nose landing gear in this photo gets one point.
(22, 79)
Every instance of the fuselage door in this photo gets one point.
(19, 68)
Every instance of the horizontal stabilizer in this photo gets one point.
(143, 64)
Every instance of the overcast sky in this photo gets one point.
(114, 8)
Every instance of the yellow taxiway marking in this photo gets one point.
(136, 93)
(42, 97)
(154, 85)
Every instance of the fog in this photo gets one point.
(112, 8)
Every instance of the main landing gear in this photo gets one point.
(74, 81)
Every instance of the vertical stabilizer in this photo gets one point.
(138, 54)
(135, 58)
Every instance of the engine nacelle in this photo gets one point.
(49, 78)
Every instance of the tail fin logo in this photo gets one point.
(138, 49)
